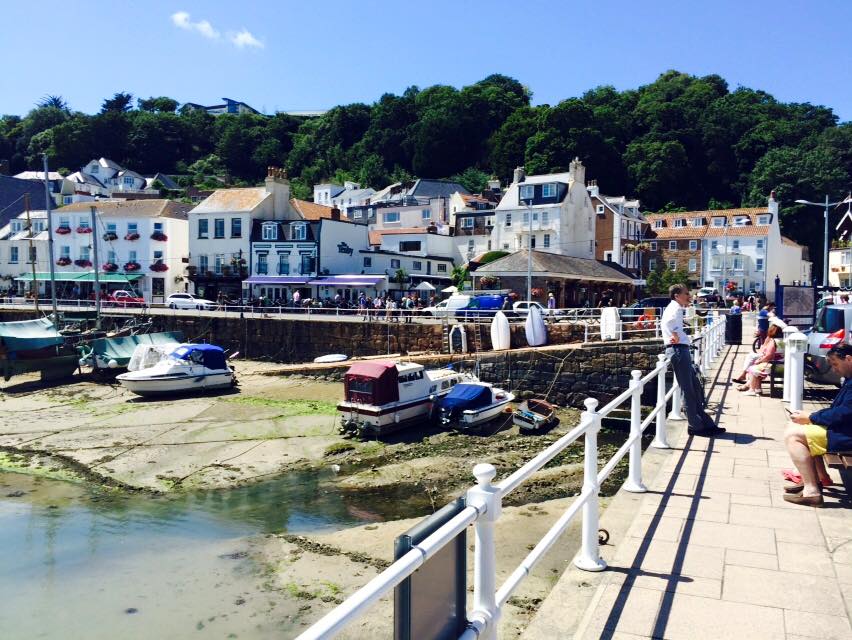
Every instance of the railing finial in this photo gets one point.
(636, 374)
(591, 404)
(484, 473)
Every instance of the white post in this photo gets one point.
(661, 441)
(677, 403)
(797, 380)
(788, 331)
(634, 478)
(589, 558)
(486, 499)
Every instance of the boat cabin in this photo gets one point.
(381, 382)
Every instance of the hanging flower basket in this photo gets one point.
(643, 247)
(160, 236)
(487, 282)
(731, 286)
(63, 230)
(131, 236)
(84, 229)
(109, 267)
(159, 266)
(109, 236)
(63, 262)
(630, 247)
(83, 263)
(132, 266)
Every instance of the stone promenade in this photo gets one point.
(713, 551)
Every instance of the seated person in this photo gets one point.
(812, 435)
(760, 368)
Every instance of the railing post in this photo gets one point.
(589, 558)
(788, 331)
(677, 403)
(661, 440)
(634, 477)
(485, 498)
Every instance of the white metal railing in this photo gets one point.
(484, 504)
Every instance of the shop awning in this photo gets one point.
(348, 281)
(66, 276)
(275, 280)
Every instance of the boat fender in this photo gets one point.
(83, 362)
(112, 364)
(396, 418)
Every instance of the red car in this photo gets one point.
(122, 298)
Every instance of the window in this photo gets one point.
(203, 228)
(679, 223)
(508, 221)
(64, 221)
(112, 228)
(546, 240)
(760, 243)
(217, 264)
(391, 217)
(653, 245)
(505, 246)
(741, 221)
(652, 264)
(158, 255)
(262, 265)
(527, 192)
(548, 190)
(736, 245)
(693, 245)
(67, 199)
(93, 169)
(394, 264)
(269, 231)
(526, 217)
(673, 265)
(368, 262)
(417, 265)
(693, 265)
(219, 228)
(65, 251)
(158, 227)
(442, 268)
(545, 217)
(16, 226)
(600, 209)
(299, 232)
(128, 180)
(738, 264)
(759, 264)
(357, 213)
(718, 222)
(236, 227)
(132, 256)
(84, 252)
(467, 223)
(672, 245)
(714, 245)
(658, 224)
(698, 222)
(532, 241)
(13, 255)
(84, 223)
(111, 256)
(762, 219)
(426, 214)
(283, 264)
(33, 257)
(409, 245)
(470, 246)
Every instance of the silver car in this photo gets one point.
(833, 326)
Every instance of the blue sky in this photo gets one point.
(283, 55)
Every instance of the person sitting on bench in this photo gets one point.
(813, 435)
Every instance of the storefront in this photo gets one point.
(72, 286)
(348, 287)
(275, 288)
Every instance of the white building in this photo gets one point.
(563, 219)
(349, 195)
(619, 227)
(140, 244)
(62, 190)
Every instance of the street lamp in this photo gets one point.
(529, 249)
(825, 204)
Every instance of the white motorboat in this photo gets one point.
(382, 396)
(190, 367)
(473, 403)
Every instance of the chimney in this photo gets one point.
(773, 204)
(593, 189)
(335, 213)
(494, 184)
(577, 171)
(279, 186)
(519, 175)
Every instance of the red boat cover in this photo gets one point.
(373, 382)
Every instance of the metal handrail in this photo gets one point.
(485, 505)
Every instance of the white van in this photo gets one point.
(447, 308)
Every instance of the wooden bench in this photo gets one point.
(838, 459)
(776, 372)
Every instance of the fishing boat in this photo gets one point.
(534, 416)
(383, 396)
(117, 352)
(472, 404)
(34, 346)
(190, 367)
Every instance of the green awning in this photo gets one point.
(65, 276)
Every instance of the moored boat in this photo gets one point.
(383, 396)
(117, 352)
(190, 367)
(472, 404)
(534, 415)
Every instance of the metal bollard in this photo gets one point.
(787, 331)
(486, 498)
(634, 477)
(661, 440)
(589, 557)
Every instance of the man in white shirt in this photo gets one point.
(677, 349)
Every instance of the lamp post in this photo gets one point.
(529, 250)
(825, 204)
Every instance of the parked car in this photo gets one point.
(708, 296)
(188, 301)
(447, 308)
(522, 308)
(484, 306)
(123, 298)
(833, 326)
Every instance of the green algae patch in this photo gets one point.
(38, 465)
(287, 408)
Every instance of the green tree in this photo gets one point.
(472, 179)
(120, 102)
(659, 280)
(161, 104)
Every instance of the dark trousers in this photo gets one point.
(693, 394)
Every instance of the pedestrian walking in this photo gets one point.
(551, 305)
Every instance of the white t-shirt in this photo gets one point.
(672, 323)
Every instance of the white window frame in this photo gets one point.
(758, 264)
(673, 265)
(391, 217)
(132, 227)
(395, 264)
(679, 223)
(508, 219)
(527, 192)
(760, 243)
(698, 222)
(84, 223)
(741, 221)
(546, 242)
(672, 245)
(653, 245)
(548, 190)
(693, 245)
(442, 267)
(763, 219)
(299, 231)
(652, 264)
(600, 209)
(65, 251)
(693, 265)
(269, 231)
(718, 221)
(467, 222)
(426, 214)
(545, 217)
(735, 245)
(357, 214)
(658, 224)
(14, 255)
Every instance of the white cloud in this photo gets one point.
(244, 38)
(181, 19)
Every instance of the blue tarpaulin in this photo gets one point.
(467, 396)
(209, 355)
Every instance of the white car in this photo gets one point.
(522, 308)
(447, 308)
(188, 301)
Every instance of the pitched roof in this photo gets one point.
(553, 264)
(511, 199)
(430, 188)
(233, 200)
(707, 229)
(148, 208)
(38, 175)
(310, 210)
(12, 191)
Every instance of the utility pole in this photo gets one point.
(825, 204)
(34, 285)
(47, 197)
(95, 264)
(529, 252)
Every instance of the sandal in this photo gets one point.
(743, 387)
(805, 501)
(797, 488)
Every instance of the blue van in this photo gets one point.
(484, 306)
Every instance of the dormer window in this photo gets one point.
(298, 230)
(679, 223)
(741, 221)
(658, 224)
(719, 221)
(698, 222)
(467, 223)
(94, 169)
(527, 192)
(600, 210)
(270, 231)
(762, 219)
(548, 190)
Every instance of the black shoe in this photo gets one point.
(706, 433)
